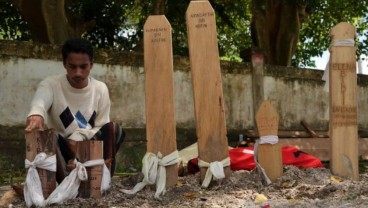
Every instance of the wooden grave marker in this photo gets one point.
(86, 151)
(207, 84)
(269, 155)
(159, 91)
(42, 141)
(343, 103)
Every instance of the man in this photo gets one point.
(76, 105)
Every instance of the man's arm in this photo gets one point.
(34, 122)
(40, 104)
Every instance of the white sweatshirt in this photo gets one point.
(74, 113)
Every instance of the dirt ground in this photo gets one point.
(296, 188)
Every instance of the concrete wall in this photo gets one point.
(20, 75)
(297, 93)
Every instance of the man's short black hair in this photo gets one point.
(77, 45)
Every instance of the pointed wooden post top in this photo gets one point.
(267, 119)
(198, 9)
(154, 20)
(342, 31)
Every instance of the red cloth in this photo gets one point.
(242, 160)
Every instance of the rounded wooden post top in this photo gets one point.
(267, 119)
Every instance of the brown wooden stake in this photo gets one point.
(159, 91)
(269, 155)
(207, 84)
(308, 129)
(37, 142)
(343, 104)
(86, 151)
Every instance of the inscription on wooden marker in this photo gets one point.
(158, 35)
(201, 19)
(267, 123)
(344, 69)
(344, 115)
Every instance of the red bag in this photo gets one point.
(242, 158)
(293, 156)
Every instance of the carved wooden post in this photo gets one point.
(269, 155)
(207, 84)
(159, 91)
(37, 142)
(343, 102)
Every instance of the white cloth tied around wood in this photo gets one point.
(154, 171)
(32, 187)
(215, 169)
(67, 189)
(326, 76)
(269, 139)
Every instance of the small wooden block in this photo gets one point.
(37, 142)
(159, 91)
(86, 151)
(269, 155)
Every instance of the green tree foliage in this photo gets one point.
(115, 22)
(314, 35)
(118, 24)
(12, 25)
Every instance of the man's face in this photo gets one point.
(78, 67)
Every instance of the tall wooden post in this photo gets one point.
(207, 84)
(37, 142)
(257, 79)
(343, 103)
(269, 155)
(159, 91)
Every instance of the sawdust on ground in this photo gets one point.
(296, 188)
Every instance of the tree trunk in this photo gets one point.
(48, 22)
(275, 29)
(159, 7)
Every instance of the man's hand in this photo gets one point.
(34, 122)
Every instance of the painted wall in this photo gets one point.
(20, 77)
(297, 93)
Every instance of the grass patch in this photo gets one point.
(9, 173)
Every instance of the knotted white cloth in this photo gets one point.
(154, 171)
(32, 188)
(270, 139)
(215, 169)
(68, 189)
(326, 76)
